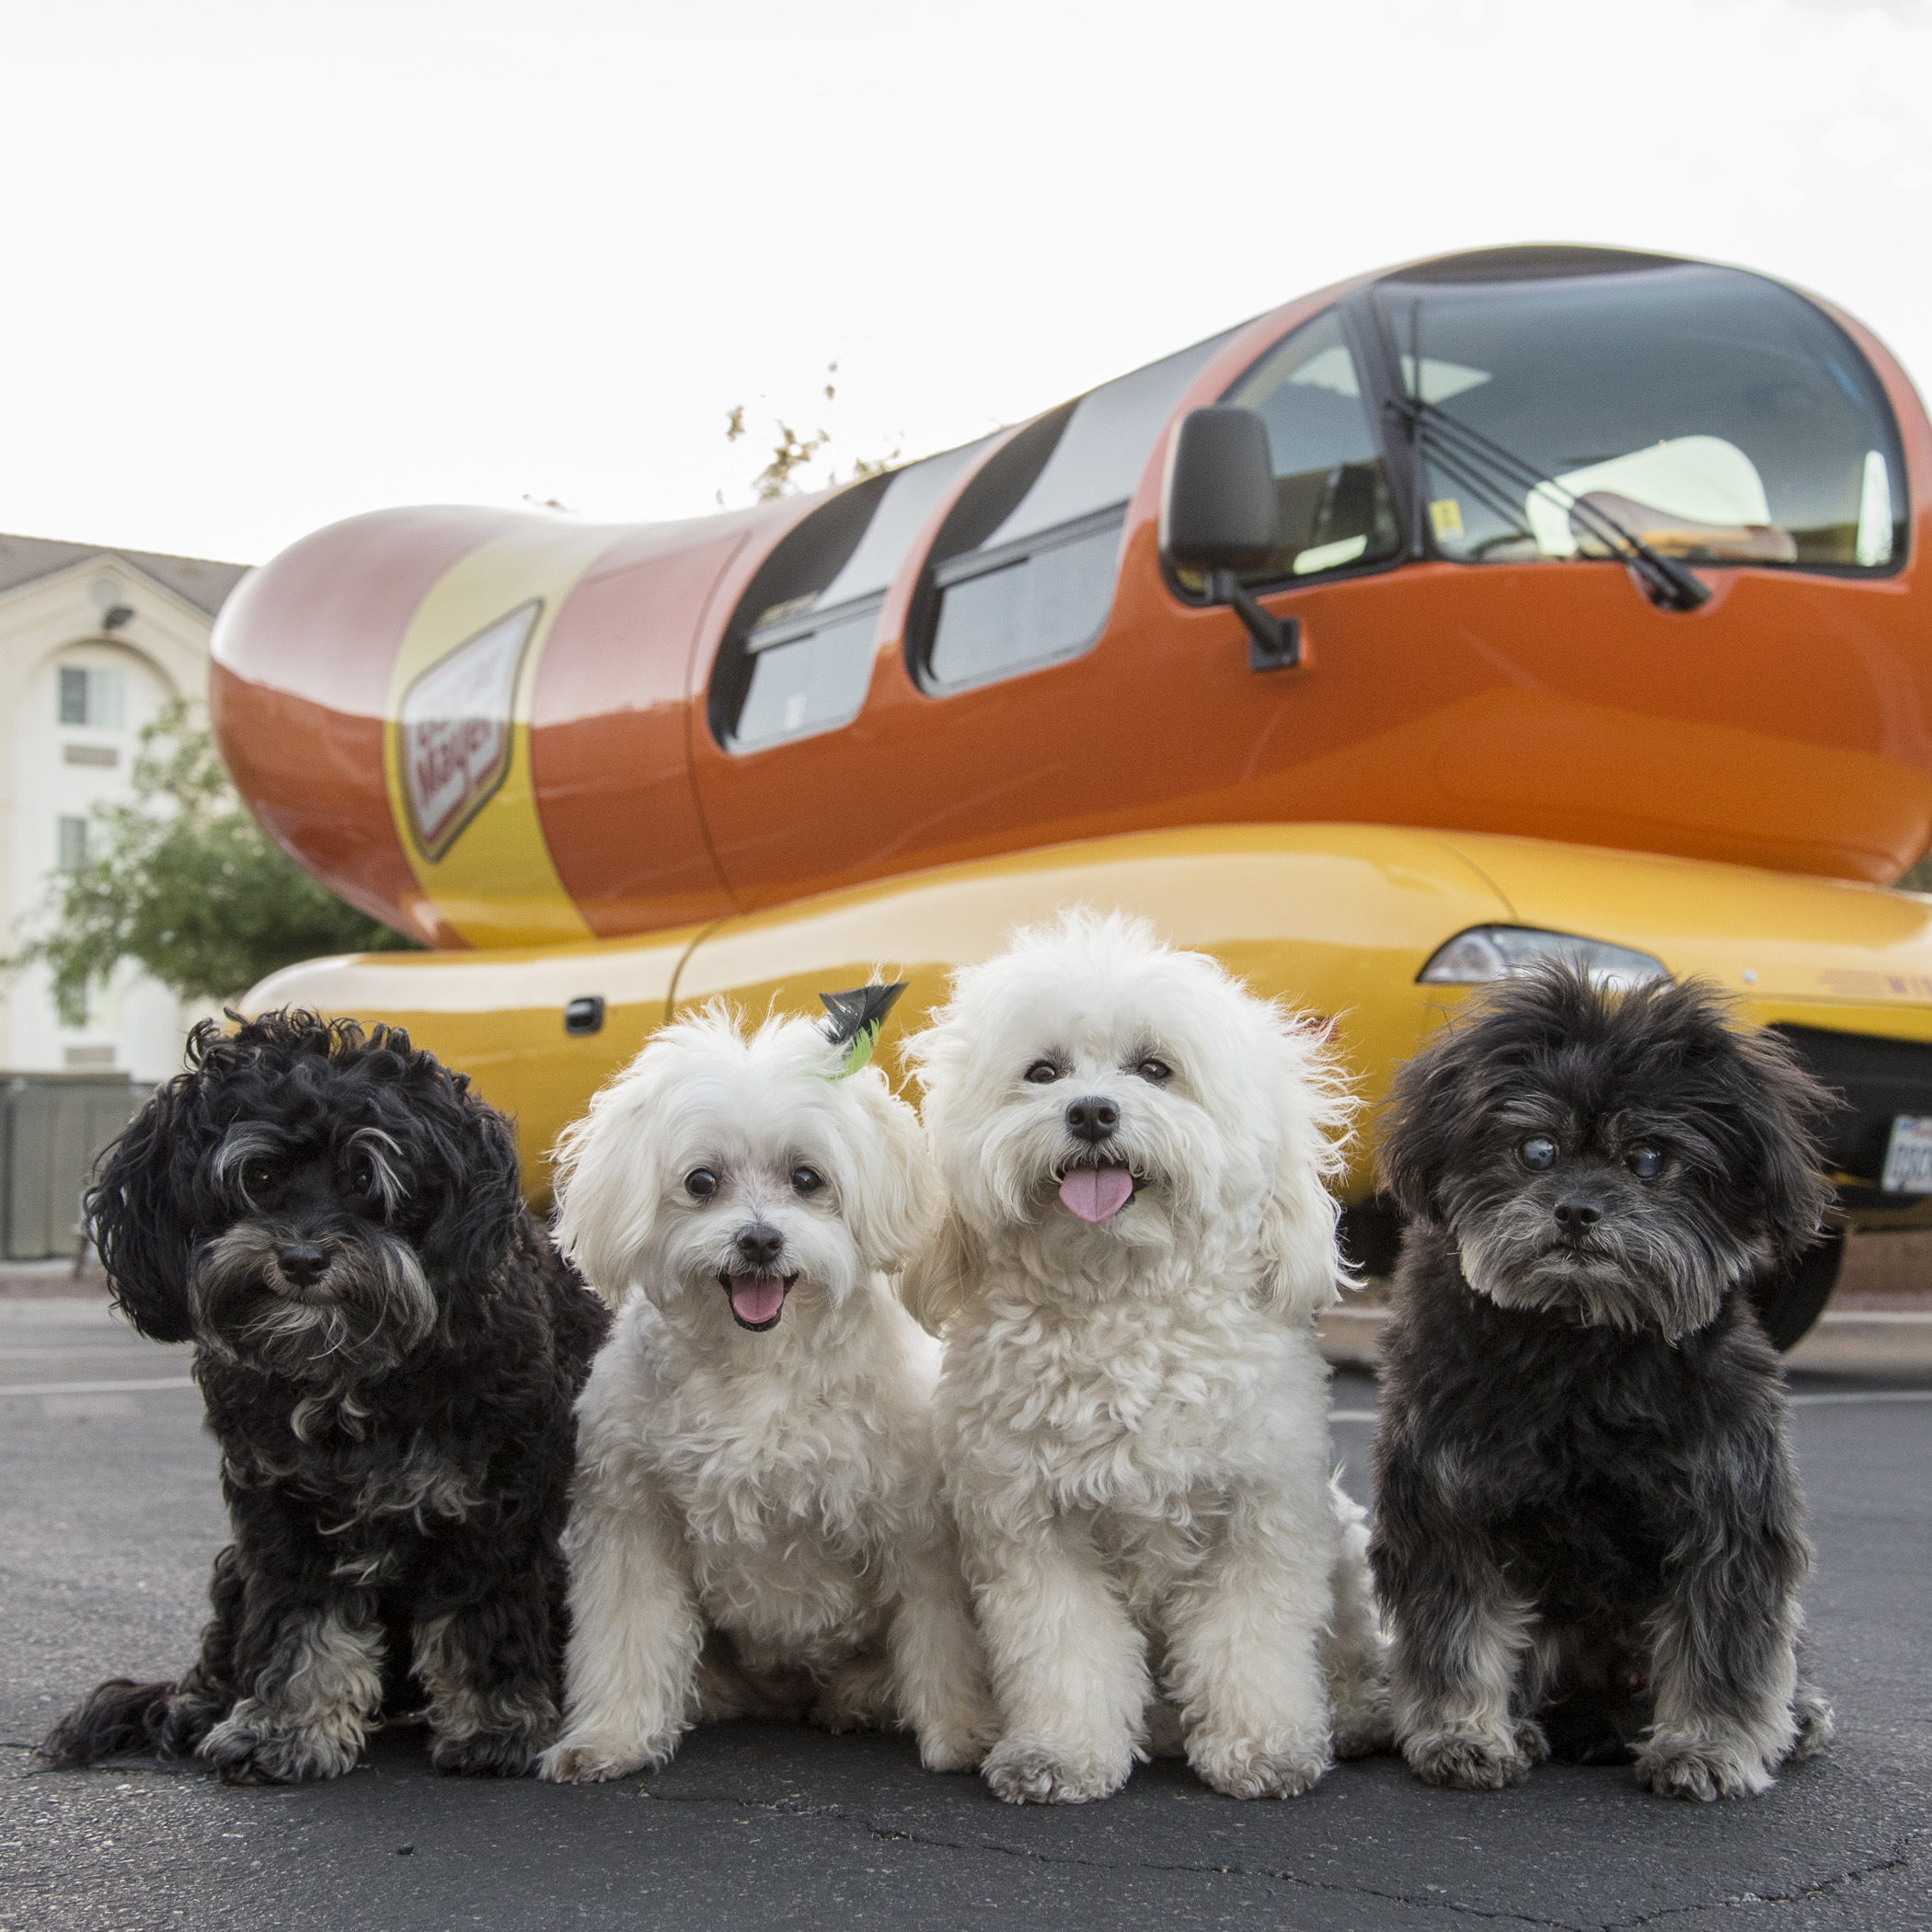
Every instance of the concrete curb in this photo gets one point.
(87, 1311)
(1876, 1342)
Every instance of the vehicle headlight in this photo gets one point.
(1493, 952)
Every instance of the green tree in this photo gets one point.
(181, 879)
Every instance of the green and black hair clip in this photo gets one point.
(854, 1021)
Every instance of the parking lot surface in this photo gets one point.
(112, 1514)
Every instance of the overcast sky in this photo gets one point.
(266, 265)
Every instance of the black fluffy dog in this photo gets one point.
(389, 1347)
(1589, 1527)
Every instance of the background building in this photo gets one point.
(93, 642)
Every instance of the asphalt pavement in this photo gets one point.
(112, 1514)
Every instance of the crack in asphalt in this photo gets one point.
(1900, 1856)
(897, 1834)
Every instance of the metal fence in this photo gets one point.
(51, 1127)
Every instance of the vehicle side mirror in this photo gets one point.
(1217, 503)
(1219, 516)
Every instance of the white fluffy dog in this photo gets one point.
(756, 1525)
(1132, 1412)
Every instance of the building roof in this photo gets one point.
(204, 584)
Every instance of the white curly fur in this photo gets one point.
(756, 1523)
(1133, 1413)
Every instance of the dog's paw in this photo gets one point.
(588, 1759)
(1532, 1741)
(946, 1747)
(1258, 1767)
(1166, 1736)
(1464, 1761)
(858, 1698)
(486, 1753)
(248, 1748)
(1362, 1721)
(1364, 1734)
(1816, 1726)
(958, 1736)
(1702, 1769)
(837, 1721)
(1030, 1774)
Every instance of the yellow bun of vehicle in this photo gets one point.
(1351, 923)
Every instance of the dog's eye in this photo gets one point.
(363, 1177)
(806, 1181)
(256, 1175)
(1539, 1152)
(700, 1183)
(1646, 1162)
(1042, 1072)
(1155, 1070)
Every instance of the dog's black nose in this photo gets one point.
(301, 1262)
(1577, 1213)
(759, 1247)
(1092, 1118)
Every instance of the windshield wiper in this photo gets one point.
(1479, 463)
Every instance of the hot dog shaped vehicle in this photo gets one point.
(1531, 600)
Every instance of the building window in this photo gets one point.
(73, 844)
(92, 697)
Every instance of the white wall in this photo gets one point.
(134, 1024)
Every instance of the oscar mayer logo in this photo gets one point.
(455, 725)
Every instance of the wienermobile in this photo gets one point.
(1532, 600)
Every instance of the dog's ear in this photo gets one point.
(481, 1195)
(1785, 1116)
(1302, 1266)
(1302, 1270)
(1762, 1110)
(1425, 1118)
(892, 1206)
(137, 1210)
(939, 1283)
(607, 1185)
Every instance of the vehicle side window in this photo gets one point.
(809, 676)
(797, 655)
(1330, 481)
(1044, 601)
(1022, 573)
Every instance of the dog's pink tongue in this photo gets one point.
(757, 1297)
(1096, 1193)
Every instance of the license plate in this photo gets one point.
(1908, 1160)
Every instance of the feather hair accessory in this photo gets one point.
(854, 1021)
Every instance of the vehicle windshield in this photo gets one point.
(1718, 417)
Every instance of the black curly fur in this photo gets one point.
(1585, 1491)
(389, 1347)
